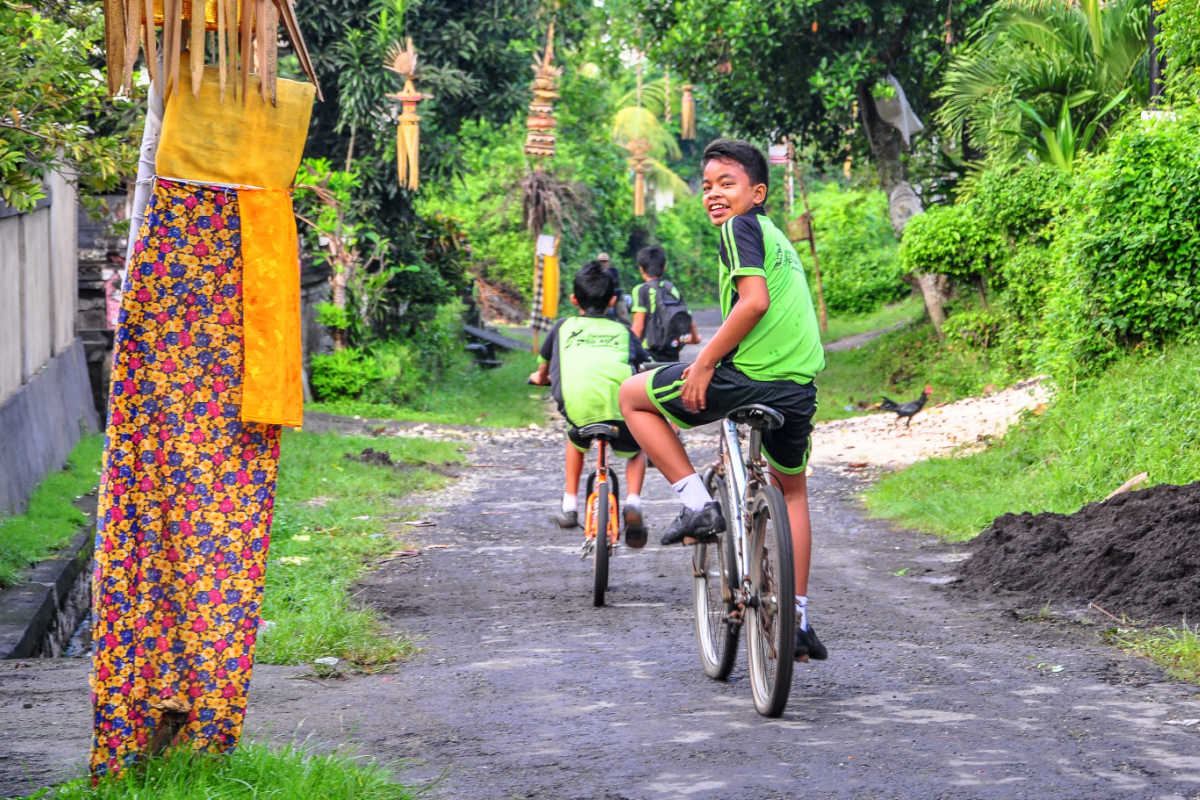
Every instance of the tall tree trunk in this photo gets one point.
(903, 203)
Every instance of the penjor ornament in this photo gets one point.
(403, 61)
(539, 141)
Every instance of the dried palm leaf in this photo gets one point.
(247, 56)
(172, 43)
(114, 43)
(196, 47)
(133, 35)
(148, 43)
(221, 64)
(287, 13)
(231, 39)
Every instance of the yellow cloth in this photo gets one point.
(550, 286)
(252, 143)
(242, 141)
(272, 386)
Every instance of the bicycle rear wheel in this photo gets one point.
(771, 621)
(714, 579)
(600, 555)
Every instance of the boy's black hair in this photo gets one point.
(652, 259)
(593, 287)
(744, 153)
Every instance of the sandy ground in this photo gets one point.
(881, 440)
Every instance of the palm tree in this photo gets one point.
(1046, 76)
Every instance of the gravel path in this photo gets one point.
(523, 690)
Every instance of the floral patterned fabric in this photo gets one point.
(186, 491)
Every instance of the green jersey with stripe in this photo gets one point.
(589, 357)
(786, 342)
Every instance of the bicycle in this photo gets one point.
(746, 576)
(602, 512)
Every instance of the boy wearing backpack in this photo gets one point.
(660, 317)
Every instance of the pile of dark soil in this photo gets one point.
(1137, 555)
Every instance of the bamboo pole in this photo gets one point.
(822, 317)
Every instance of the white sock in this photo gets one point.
(691, 492)
(569, 502)
(802, 611)
(633, 501)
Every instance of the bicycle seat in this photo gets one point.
(756, 416)
(598, 430)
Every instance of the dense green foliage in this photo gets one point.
(1179, 45)
(950, 240)
(54, 107)
(1044, 77)
(800, 67)
(856, 248)
(1086, 444)
(1128, 252)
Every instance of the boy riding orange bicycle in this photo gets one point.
(584, 359)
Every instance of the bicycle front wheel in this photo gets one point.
(771, 619)
(714, 579)
(600, 562)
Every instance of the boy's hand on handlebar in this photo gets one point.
(536, 380)
(696, 377)
(694, 339)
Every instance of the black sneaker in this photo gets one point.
(701, 526)
(809, 646)
(635, 530)
(566, 519)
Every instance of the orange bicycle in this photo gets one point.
(601, 525)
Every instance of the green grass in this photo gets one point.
(1177, 650)
(252, 772)
(468, 395)
(333, 517)
(843, 325)
(1142, 415)
(51, 518)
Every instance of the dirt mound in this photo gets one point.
(1137, 554)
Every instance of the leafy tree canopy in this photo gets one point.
(798, 66)
(52, 99)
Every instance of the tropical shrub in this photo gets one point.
(1128, 253)
(1017, 203)
(856, 248)
(951, 240)
(342, 373)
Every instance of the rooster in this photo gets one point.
(907, 410)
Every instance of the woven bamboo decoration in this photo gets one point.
(403, 61)
(687, 113)
(540, 139)
(638, 149)
(246, 35)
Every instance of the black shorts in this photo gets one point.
(786, 448)
(624, 445)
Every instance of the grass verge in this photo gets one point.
(251, 771)
(51, 518)
(467, 395)
(333, 518)
(910, 309)
(1176, 650)
(1090, 441)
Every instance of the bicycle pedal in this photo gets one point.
(589, 547)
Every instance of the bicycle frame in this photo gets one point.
(742, 484)
(601, 489)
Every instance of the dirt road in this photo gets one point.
(523, 690)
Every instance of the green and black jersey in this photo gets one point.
(589, 357)
(786, 342)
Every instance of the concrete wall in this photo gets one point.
(45, 400)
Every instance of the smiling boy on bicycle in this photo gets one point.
(584, 359)
(767, 350)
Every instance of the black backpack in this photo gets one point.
(670, 321)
